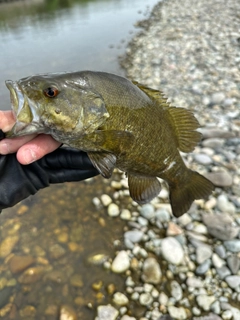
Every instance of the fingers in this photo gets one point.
(12, 145)
(36, 148)
(6, 120)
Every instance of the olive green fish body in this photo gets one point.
(120, 124)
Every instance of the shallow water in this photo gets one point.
(60, 228)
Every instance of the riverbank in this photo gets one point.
(188, 268)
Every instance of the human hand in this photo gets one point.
(28, 148)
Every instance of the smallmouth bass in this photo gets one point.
(120, 124)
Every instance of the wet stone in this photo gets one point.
(224, 205)
(5, 294)
(223, 272)
(203, 253)
(31, 275)
(133, 235)
(176, 290)
(204, 267)
(113, 210)
(120, 299)
(106, 313)
(233, 281)
(151, 271)
(172, 251)
(177, 313)
(76, 280)
(194, 282)
(18, 264)
(205, 301)
(67, 313)
(232, 245)
(56, 251)
(203, 159)
(7, 245)
(213, 143)
(147, 211)
(145, 299)
(221, 251)
(162, 215)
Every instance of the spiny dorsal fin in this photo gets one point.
(182, 120)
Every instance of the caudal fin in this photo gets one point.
(182, 195)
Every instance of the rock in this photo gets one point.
(224, 205)
(106, 313)
(172, 251)
(31, 275)
(227, 315)
(133, 235)
(210, 316)
(106, 200)
(176, 290)
(120, 299)
(216, 133)
(113, 210)
(121, 262)
(125, 214)
(5, 294)
(204, 301)
(147, 211)
(223, 272)
(126, 317)
(232, 245)
(194, 282)
(18, 264)
(173, 229)
(203, 253)
(220, 178)
(177, 313)
(217, 261)
(145, 299)
(163, 299)
(204, 267)
(215, 307)
(56, 251)
(233, 263)
(214, 143)
(220, 226)
(221, 251)
(203, 159)
(67, 313)
(7, 245)
(76, 280)
(217, 98)
(151, 271)
(233, 281)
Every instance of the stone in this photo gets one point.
(113, 210)
(172, 251)
(126, 317)
(56, 251)
(5, 295)
(176, 290)
(173, 229)
(233, 281)
(217, 98)
(151, 271)
(125, 214)
(18, 264)
(220, 226)
(7, 245)
(204, 267)
(147, 211)
(31, 275)
(217, 261)
(215, 307)
(233, 263)
(214, 143)
(224, 205)
(106, 313)
(216, 133)
(67, 313)
(194, 282)
(220, 178)
(221, 251)
(177, 313)
(163, 299)
(106, 200)
(120, 299)
(76, 280)
(133, 235)
(210, 316)
(121, 262)
(145, 299)
(204, 301)
(203, 159)
(203, 253)
(232, 245)
(223, 272)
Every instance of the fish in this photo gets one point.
(120, 124)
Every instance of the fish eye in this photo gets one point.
(51, 92)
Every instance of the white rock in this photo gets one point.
(151, 272)
(120, 299)
(106, 200)
(113, 210)
(172, 251)
(125, 214)
(204, 301)
(106, 313)
(121, 262)
(126, 317)
(177, 313)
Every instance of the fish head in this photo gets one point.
(56, 104)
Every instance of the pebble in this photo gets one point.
(106, 313)
(145, 299)
(203, 159)
(56, 251)
(224, 205)
(67, 313)
(215, 307)
(173, 229)
(31, 275)
(204, 301)
(121, 262)
(147, 211)
(126, 317)
(220, 178)
(7, 245)
(151, 271)
(220, 226)
(133, 235)
(194, 282)
(106, 200)
(233, 263)
(213, 143)
(221, 251)
(204, 267)
(233, 281)
(172, 251)
(113, 210)
(203, 253)
(18, 264)
(227, 315)
(5, 294)
(163, 298)
(232, 245)
(120, 299)
(125, 214)
(176, 290)
(223, 272)
(177, 313)
(217, 261)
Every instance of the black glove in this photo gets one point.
(17, 181)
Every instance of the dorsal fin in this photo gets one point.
(183, 122)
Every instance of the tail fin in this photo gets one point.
(182, 195)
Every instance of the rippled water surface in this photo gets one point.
(59, 230)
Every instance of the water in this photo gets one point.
(60, 228)
(37, 37)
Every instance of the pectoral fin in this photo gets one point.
(143, 189)
(103, 162)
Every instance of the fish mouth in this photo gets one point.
(24, 111)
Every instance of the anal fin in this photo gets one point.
(104, 162)
(142, 188)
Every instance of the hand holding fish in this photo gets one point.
(29, 148)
